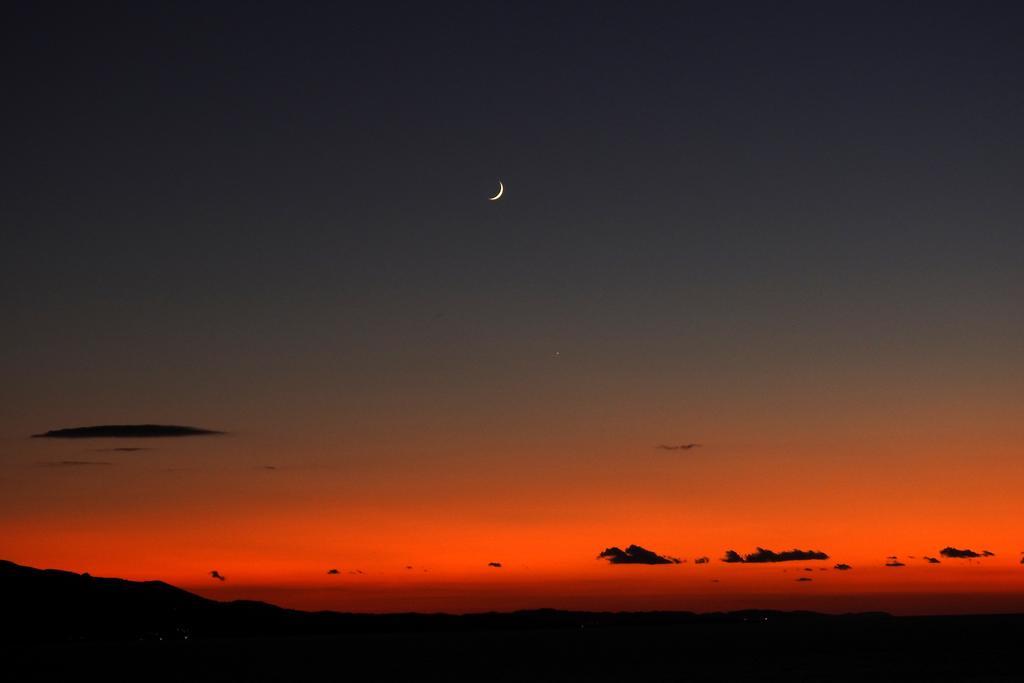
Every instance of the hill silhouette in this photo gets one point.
(51, 603)
(73, 625)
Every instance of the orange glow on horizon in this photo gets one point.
(274, 534)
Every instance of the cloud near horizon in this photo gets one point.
(217, 575)
(765, 555)
(966, 553)
(496, 565)
(678, 447)
(843, 567)
(143, 431)
(74, 463)
(635, 554)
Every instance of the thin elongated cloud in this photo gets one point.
(333, 571)
(805, 578)
(144, 431)
(892, 561)
(496, 565)
(677, 447)
(950, 551)
(765, 555)
(931, 560)
(843, 567)
(635, 554)
(122, 449)
(74, 463)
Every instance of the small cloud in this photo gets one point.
(732, 556)
(217, 575)
(805, 578)
(268, 467)
(702, 560)
(765, 555)
(408, 566)
(808, 569)
(950, 551)
(122, 449)
(931, 560)
(74, 463)
(678, 447)
(496, 565)
(843, 567)
(333, 571)
(125, 432)
(893, 562)
(635, 554)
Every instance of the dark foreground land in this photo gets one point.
(65, 626)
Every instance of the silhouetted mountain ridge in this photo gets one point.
(51, 603)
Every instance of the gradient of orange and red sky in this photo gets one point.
(789, 234)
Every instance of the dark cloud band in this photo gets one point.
(635, 554)
(765, 555)
(125, 432)
(950, 551)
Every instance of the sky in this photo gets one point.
(790, 233)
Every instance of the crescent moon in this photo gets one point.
(501, 191)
